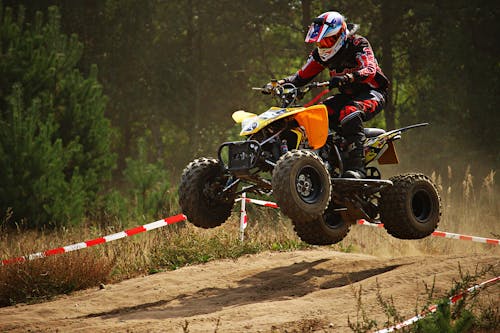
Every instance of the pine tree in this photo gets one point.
(54, 138)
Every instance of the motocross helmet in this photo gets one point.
(329, 32)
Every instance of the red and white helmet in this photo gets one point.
(329, 32)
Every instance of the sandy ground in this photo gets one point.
(312, 290)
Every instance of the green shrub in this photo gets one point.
(54, 138)
(443, 321)
(149, 191)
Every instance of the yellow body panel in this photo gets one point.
(314, 119)
(241, 115)
(299, 138)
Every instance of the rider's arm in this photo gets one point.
(305, 75)
(367, 65)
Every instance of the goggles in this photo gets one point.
(327, 42)
(318, 29)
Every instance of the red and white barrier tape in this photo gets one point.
(243, 212)
(182, 217)
(433, 308)
(105, 239)
(381, 225)
(364, 222)
(258, 202)
(466, 237)
(444, 234)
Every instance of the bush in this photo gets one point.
(54, 138)
(39, 280)
(146, 192)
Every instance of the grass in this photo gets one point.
(164, 249)
(39, 280)
(477, 311)
(470, 207)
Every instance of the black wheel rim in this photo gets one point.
(421, 205)
(308, 184)
(212, 190)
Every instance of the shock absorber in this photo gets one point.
(283, 147)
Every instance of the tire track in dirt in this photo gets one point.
(302, 290)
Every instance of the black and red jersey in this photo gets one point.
(355, 57)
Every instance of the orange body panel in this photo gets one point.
(315, 123)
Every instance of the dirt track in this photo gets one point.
(295, 291)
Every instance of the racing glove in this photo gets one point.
(339, 81)
(267, 89)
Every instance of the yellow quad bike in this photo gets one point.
(289, 153)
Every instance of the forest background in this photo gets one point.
(102, 103)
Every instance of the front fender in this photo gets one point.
(314, 119)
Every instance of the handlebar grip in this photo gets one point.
(322, 84)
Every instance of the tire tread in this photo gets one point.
(394, 210)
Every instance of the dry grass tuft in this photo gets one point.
(39, 280)
(165, 249)
(470, 207)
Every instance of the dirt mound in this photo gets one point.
(294, 291)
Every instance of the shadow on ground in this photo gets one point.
(281, 283)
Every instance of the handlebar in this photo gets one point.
(304, 87)
(287, 92)
(319, 84)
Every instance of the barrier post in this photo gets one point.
(243, 216)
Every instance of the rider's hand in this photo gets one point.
(267, 88)
(339, 81)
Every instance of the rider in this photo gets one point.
(355, 72)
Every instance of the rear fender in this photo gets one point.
(389, 156)
(382, 148)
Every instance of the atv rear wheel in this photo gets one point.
(301, 185)
(327, 229)
(200, 193)
(411, 208)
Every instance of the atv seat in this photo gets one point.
(372, 132)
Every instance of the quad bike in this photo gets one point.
(291, 154)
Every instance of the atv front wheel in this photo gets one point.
(327, 229)
(411, 208)
(301, 185)
(200, 193)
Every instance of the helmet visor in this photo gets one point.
(327, 42)
(316, 32)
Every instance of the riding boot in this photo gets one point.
(353, 132)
